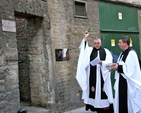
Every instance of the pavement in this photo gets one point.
(32, 109)
(79, 110)
(36, 110)
(43, 110)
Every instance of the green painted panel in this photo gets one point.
(106, 41)
(110, 19)
(106, 38)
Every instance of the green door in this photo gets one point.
(116, 21)
(117, 18)
(110, 41)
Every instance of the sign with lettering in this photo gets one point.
(8, 25)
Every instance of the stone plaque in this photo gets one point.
(8, 25)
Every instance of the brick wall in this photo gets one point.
(67, 32)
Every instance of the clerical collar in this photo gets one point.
(126, 50)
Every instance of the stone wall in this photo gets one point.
(9, 102)
(38, 27)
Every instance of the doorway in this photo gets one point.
(30, 54)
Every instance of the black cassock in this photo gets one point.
(128, 83)
(96, 88)
(92, 82)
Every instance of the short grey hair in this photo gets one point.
(97, 39)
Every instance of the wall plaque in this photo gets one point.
(8, 25)
(62, 54)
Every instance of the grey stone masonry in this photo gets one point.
(11, 74)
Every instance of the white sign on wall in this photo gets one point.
(112, 42)
(8, 25)
(120, 16)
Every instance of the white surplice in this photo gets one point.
(132, 74)
(83, 73)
